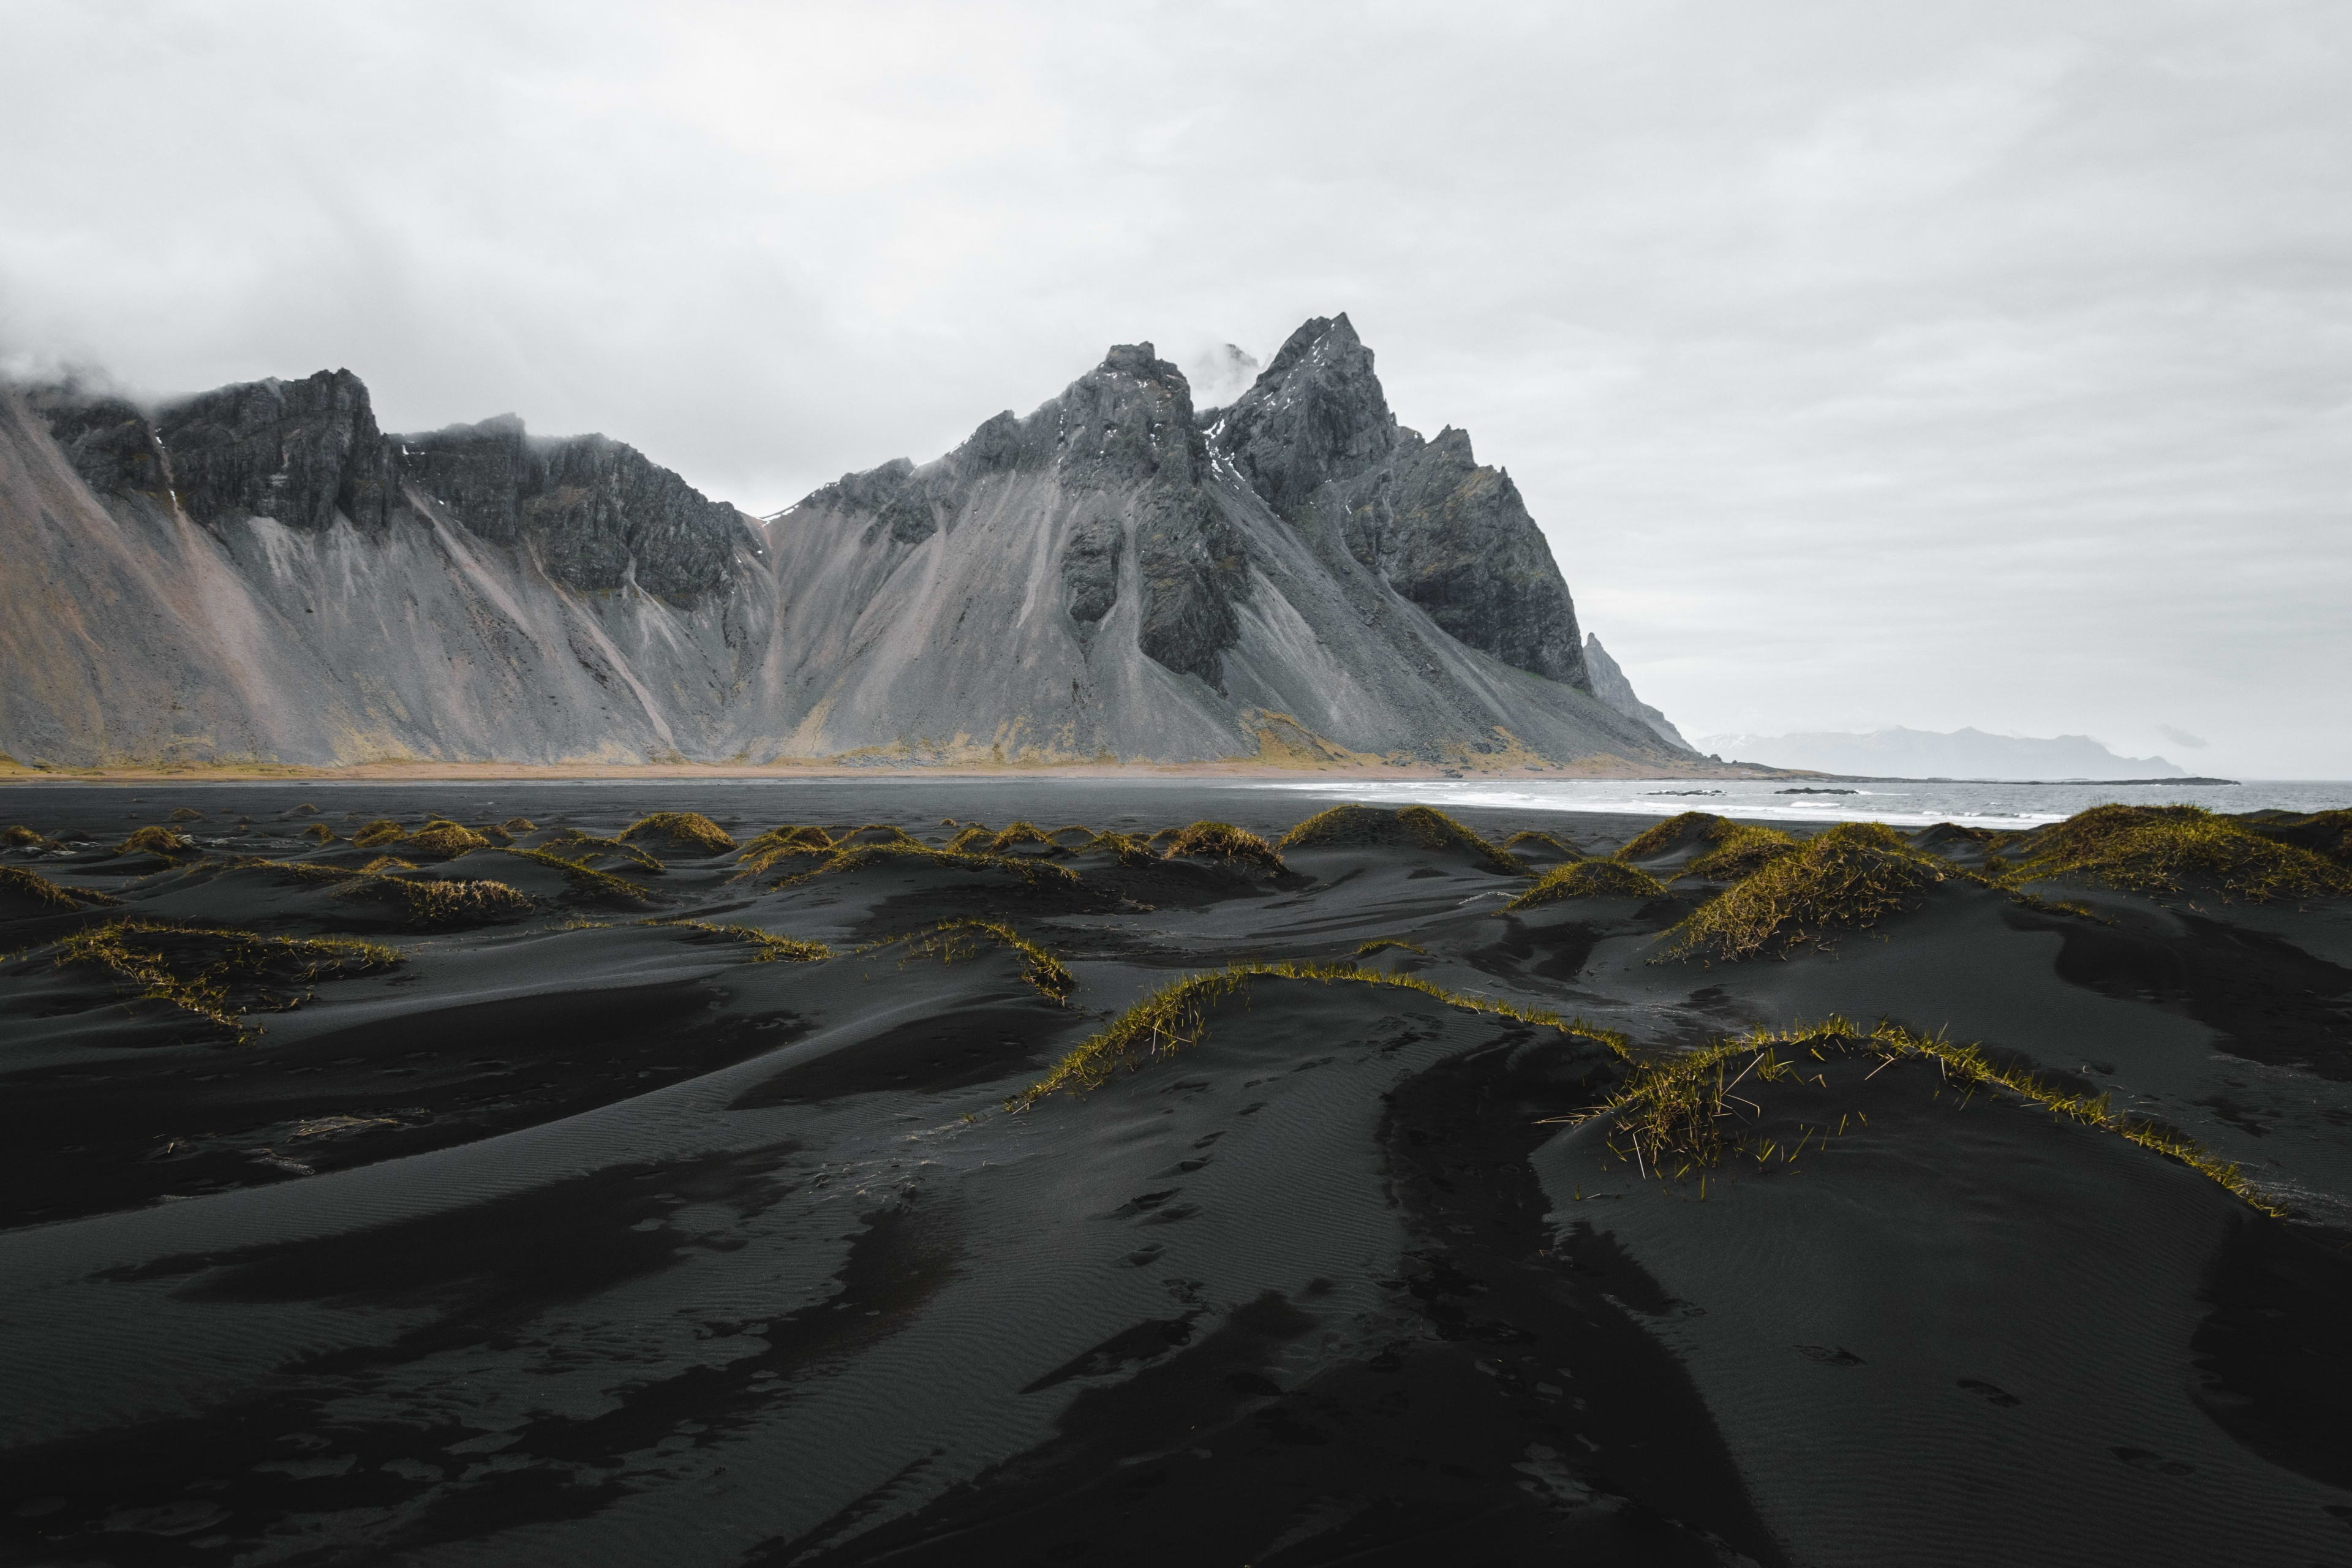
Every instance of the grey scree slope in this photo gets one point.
(257, 572)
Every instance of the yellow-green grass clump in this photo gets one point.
(1685, 1113)
(687, 827)
(1741, 849)
(1588, 879)
(960, 939)
(442, 840)
(1670, 835)
(2178, 849)
(1131, 850)
(519, 824)
(767, 947)
(577, 846)
(977, 838)
(1850, 878)
(431, 901)
(1019, 836)
(1176, 1015)
(155, 840)
(1421, 826)
(1223, 841)
(884, 834)
(186, 814)
(20, 885)
(2326, 833)
(319, 832)
(17, 836)
(584, 878)
(782, 844)
(376, 834)
(1388, 943)
(214, 974)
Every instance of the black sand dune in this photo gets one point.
(569, 1196)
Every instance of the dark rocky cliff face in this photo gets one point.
(299, 452)
(1314, 438)
(594, 510)
(1127, 454)
(1128, 426)
(304, 452)
(1316, 415)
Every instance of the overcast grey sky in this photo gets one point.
(1866, 364)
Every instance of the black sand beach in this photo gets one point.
(689, 1202)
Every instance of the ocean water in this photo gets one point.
(1903, 805)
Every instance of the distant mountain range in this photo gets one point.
(1960, 754)
(258, 573)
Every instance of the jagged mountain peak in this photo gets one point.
(1316, 415)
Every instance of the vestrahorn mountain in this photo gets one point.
(257, 573)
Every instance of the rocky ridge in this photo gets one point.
(1609, 684)
(1113, 578)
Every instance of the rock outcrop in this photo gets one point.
(1314, 438)
(1609, 684)
(258, 573)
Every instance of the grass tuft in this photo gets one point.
(2178, 848)
(769, 948)
(15, 882)
(1384, 943)
(1421, 826)
(431, 901)
(443, 840)
(216, 974)
(584, 878)
(1588, 879)
(1176, 1015)
(1223, 841)
(961, 939)
(1850, 876)
(155, 840)
(690, 827)
(18, 837)
(1686, 1112)
(383, 831)
(1672, 834)
(779, 844)
(1131, 851)
(319, 832)
(1741, 849)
